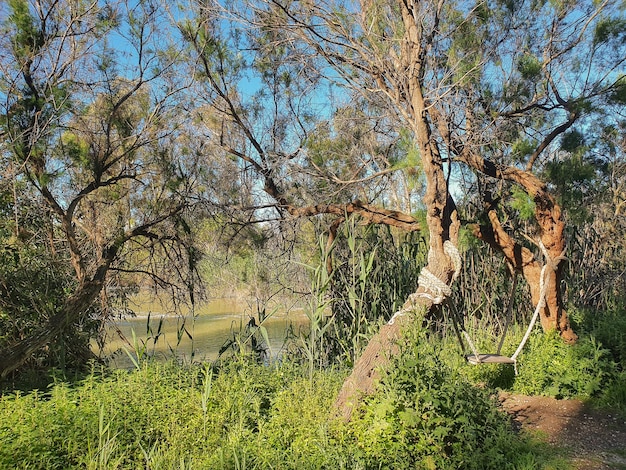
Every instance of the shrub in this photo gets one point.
(427, 415)
(613, 395)
(608, 327)
(551, 367)
(245, 415)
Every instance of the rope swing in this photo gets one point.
(478, 359)
(435, 290)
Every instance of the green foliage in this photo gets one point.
(572, 141)
(34, 284)
(467, 33)
(607, 29)
(28, 37)
(427, 415)
(77, 150)
(572, 177)
(529, 67)
(522, 203)
(409, 151)
(299, 425)
(551, 367)
(613, 394)
(522, 148)
(373, 275)
(315, 342)
(609, 329)
(243, 415)
(618, 94)
(163, 415)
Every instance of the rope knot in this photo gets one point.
(435, 289)
(432, 283)
(553, 263)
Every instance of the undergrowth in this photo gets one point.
(242, 415)
(551, 367)
(428, 415)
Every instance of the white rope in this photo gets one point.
(455, 257)
(540, 304)
(411, 301)
(399, 313)
(472, 346)
(436, 289)
(432, 284)
(543, 288)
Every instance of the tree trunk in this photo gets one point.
(76, 305)
(551, 239)
(365, 373)
(553, 316)
(443, 225)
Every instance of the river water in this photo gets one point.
(196, 336)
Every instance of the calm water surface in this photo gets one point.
(198, 337)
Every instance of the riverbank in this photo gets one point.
(198, 334)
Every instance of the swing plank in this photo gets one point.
(489, 359)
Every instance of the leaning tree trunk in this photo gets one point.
(76, 305)
(443, 226)
(384, 345)
(553, 315)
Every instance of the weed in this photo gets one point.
(551, 367)
(245, 415)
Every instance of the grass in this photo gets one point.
(427, 412)
(164, 415)
(244, 415)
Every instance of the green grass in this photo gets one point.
(244, 415)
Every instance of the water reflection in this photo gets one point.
(198, 336)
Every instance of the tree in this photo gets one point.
(489, 86)
(258, 113)
(91, 131)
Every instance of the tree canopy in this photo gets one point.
(130, 121)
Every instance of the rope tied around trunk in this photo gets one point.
(553, 264)
(435, 289)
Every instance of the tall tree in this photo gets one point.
(490, 86)
(89, 125)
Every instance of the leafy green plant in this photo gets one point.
(551, 367)
(426, 414)
(373, 271)
(240, 414)
(608, 327)
(314, 341)
(104, 456)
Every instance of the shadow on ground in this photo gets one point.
(594, 439)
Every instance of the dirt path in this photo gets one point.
(595, 440)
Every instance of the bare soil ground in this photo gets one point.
(594, 439)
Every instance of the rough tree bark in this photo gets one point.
(551, 239)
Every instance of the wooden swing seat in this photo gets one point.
(477, 359)
(489, 359)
